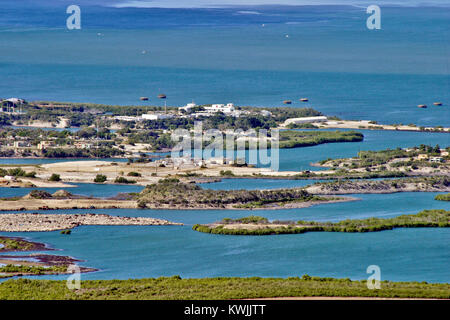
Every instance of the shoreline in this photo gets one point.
(38, 222)
(268, 206)
(33, 264)
(96, 203)
(260, 226)
(373, 125)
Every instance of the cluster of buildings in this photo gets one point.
(435, 159)
(11, 105)
(192, 110)
(190, 162)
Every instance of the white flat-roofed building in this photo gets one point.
(157, 116)
(228, 108)
(127, 118)
(266, 113)
(188, 107)
(305, 120)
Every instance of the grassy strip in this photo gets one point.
(12, 244)
(35, 270)
(443, 197)
(216, 288)
(296, 139)
(424, 219)
(280, 202)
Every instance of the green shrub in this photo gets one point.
(54, 177)
(124, 180)
(100, 178)
(134, 174)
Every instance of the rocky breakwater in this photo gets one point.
(28, 222)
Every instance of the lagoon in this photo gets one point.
(135, 252)
(301, 158)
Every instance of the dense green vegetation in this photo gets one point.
(15, 244)
(35, 270)
(87, 114)
(443, 197)
(175, 193)
(105, 152)
(124, 180)
(175, 288)
(54, 177)
(368, 159)
(100, 178)
(17, 172)
(296, 139)
(426, 218)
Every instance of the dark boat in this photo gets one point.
(161, 96)
(422, 106)
(143, 98)
(304, 99)
(437, 103)
(287, 101)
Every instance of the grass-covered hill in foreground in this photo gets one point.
(254, 225)
(175, 288)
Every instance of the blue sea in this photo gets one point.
(257, 56)
(252, 56)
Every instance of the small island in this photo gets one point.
(254, 225)
(27, 222)
(32, 264)
(443, 197)
(171, 193)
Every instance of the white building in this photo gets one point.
(127, 118)
(305, 120)
(11, 104)
(266, 113)
(157, 116)
(228, 108)
(188, 107)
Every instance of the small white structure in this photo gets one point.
(11, 104)
(127, 118)
(266, 113)
(188, 107)
(436, 159)
(10, 178)
(305, 120)
(157, 116)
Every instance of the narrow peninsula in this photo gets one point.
(254, 225)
